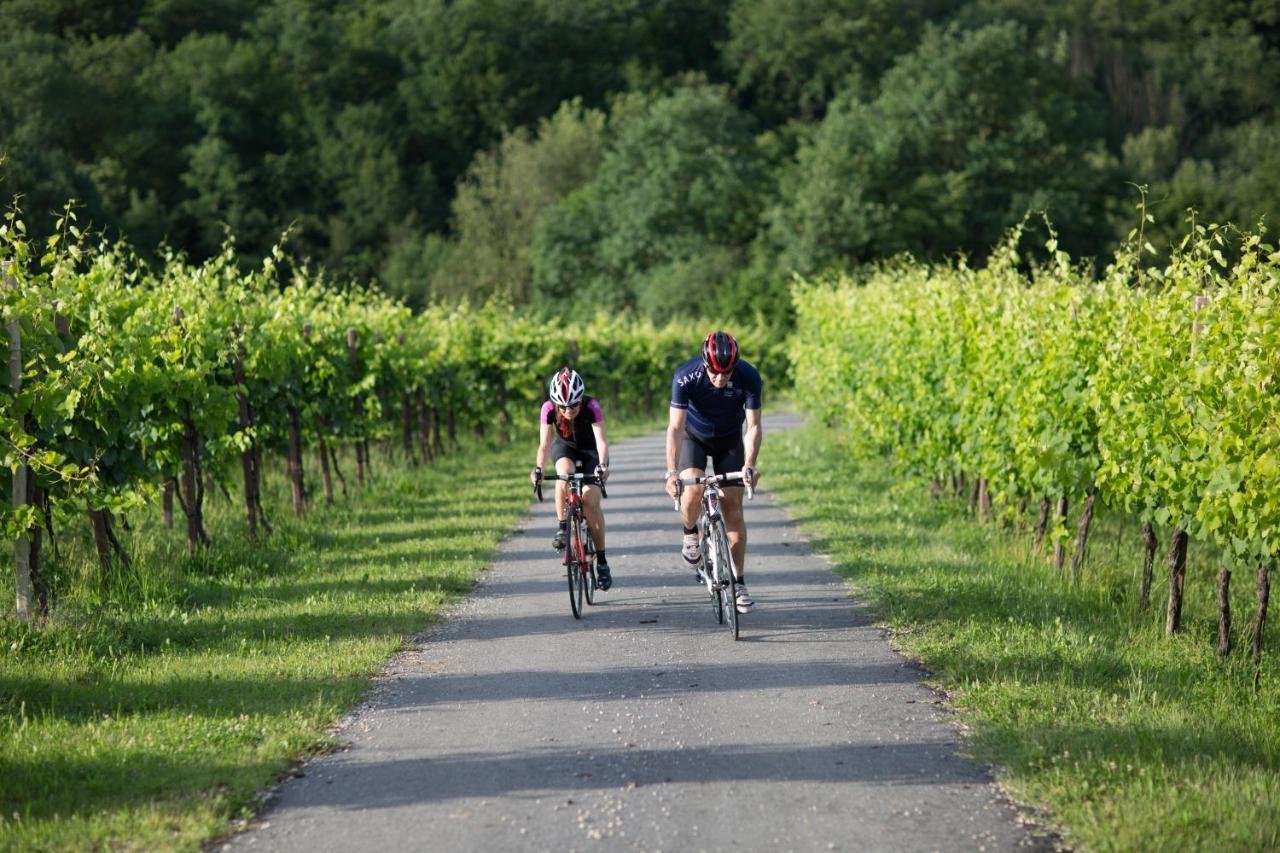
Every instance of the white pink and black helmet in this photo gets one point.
(720, 352)
(566, 388)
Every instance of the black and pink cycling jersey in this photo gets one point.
(577, 433)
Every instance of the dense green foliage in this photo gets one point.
(698, 150)
(138, 376)
(1124, 740)
(1152, 388)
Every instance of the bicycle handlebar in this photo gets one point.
(587, 480)
(713, 479)
(590, 479)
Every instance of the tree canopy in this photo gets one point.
(634, 154)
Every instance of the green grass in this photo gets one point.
(1129, 740)
(156, 704)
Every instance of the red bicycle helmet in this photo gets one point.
(720, 352)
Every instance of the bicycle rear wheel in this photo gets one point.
(590, 584)
(729, 588)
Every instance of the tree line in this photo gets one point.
(634, 156)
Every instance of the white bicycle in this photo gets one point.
(715, 563)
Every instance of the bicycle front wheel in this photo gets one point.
(728, 587)
(712, 566)
(575, 588)
(577, 579)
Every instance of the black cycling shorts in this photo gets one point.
(584, 460)
(726, 452)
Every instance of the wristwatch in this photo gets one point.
(671, 474)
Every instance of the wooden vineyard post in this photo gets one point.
(166, 502)
(1042, 524)
(1082, 537)
(333, 460)
(984, 497)
(1177, 576)
(1149, 544)
(1264, 593)
(1224, 612)
(326, 475)
(424, 426)
(22, 547)
(293, 451)
(99, 519)
(406, 427)
(1060, 547)
(380, 390)
(191, 485)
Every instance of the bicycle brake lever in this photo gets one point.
(538, 490)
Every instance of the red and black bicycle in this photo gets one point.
(579, 551)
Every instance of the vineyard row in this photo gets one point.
(1149, 389)
(131, 382)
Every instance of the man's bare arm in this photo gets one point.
(675, 431)
(751, 438)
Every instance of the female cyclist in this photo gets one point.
(571, 431)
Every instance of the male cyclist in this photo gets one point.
(571, 430)
(711, 398)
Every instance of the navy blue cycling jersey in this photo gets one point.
(713, 411)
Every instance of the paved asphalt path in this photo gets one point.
(643, 726)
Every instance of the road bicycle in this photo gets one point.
(715, 562)
(579, 550)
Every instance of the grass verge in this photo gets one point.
(1131, 741)
(159, 700)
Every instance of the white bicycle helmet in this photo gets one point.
(566, 388)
